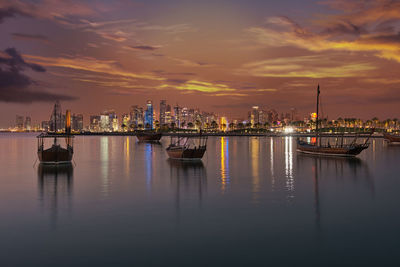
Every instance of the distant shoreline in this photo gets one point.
(361, 135)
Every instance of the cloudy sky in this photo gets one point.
(222, 56)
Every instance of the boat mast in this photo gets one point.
(55, 122)
(316, 128)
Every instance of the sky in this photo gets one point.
(222, 56)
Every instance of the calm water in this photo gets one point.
(251, 202)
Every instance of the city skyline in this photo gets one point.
(223, 57)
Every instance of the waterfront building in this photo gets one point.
(45, 126)
(168, 115)
(115, 124)
(104, 123)
(28, 123)
(177, 116)
(77, 122)
(254, 116)
(94, 123)
(19, 122)
(136, 116)
(223, 124)
(149, 115)
(125, 122)
(163, 111)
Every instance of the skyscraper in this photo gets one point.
(168, 116)
(28, 123)
(94, 123)
(149, 115)
(163, 110)
(136, 116)
(77, 122)
(19, 122)
(177, 116)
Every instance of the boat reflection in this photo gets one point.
(188, 179)
(339, 168)
(255, 168)
(55, 184)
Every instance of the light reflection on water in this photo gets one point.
(337, 207)
(225, 178)
(104, 165)
(289, 166)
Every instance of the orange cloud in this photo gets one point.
(305, 66)
(281, 31)
(90, 64)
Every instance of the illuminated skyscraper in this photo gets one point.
(136, 116)
(168, 115)
(163, 110)
(148, 119)
(77, 122)
(19, 122)
(94, 124)
(28, 123)
(177, 116)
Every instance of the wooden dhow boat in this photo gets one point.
(187, 147)
(148, 136)
(56, 154)
(338, 150)
(391, 138)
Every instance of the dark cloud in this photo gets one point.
(10, 12)
(144, 47)
(15, 86)
(345, 27)
(27, 36)
(384, 38)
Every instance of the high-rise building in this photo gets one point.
(177, 116)
(19, 122)
(125, 121)
(94, 124)
(136, 116)
(149, 115)
(45, 126)
(77, 122)
(254, 116)
(115, 124)
(104, 123)
(168, 115)
(163, 110)
(28, 123)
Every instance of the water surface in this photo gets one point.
(252, 201)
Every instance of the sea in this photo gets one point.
(251, 201)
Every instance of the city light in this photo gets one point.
(288, 130)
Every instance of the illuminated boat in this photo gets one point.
(56, 154)
(148, 136)
(338, 150)
(189, 147)
(391, 138)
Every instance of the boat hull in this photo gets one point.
(149, 137)
(186, 154)
(55, 155)
(350, 151)
(392, 139)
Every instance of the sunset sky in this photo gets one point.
(222, 56)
